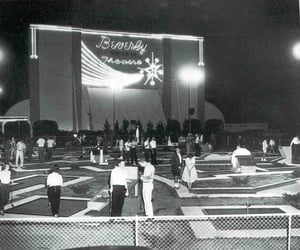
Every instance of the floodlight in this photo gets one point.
(296, 51)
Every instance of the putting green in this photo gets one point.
(40, 207)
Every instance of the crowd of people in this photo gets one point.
(182, 166)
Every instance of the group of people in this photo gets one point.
(16, 149)
(193, 144)
(184, 169)
(45, 148)
(54, 183)
(268, 147)
(119, 187)
(128, 150)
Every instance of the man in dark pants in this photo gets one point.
(176, 163)
(54, 183)
(147, 149)
(41, 142)
(153, 146)
(133, 153)
(118, 189)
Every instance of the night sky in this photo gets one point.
(251, 75)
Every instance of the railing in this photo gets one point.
(275, 231)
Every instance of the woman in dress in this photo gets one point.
(189, 173)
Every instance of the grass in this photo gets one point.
(292, 199)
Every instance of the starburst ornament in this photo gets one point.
(153, 71)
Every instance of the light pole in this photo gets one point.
(189, 107)
(114, 89)
(114, 108)
(191, 75)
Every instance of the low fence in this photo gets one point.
(274, 231)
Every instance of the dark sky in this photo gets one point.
(251, 75)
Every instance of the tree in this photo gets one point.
(160, 132)
(149, 128)
(116, 128)
(173, 129)
(106, 127)
(196, 126)
(45, 127)
(17, 129)
(214, 126)
(125, 125)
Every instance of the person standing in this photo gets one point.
(127, 150)
(12, 148)
(41, 148)
(197, 145)
(264, 149)
(147, 149)
(54, 184)
(121, 148)
(5, 180)
(153, 146)
(201, 138)
(272, 145)
(20, 152)
(118, 189)
(133, 153)
(176, 163)
(189, 143)
(147, 178)
(29, 146)
(137, 134)
(189, 174)
(50, 144)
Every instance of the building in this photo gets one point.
(81, 77)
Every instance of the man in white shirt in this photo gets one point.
(118, 189)
(127, 146)
(265, 147)
(41, 148)
(5, 179)
(121, 148)
(54, 184)
(133, 153)
(20, 152)
(50, 145)
(272, 145)
(147, 178)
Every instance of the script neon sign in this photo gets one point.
(136, 46)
